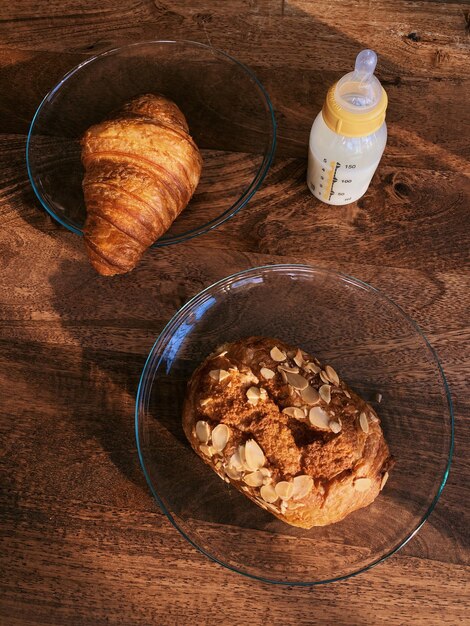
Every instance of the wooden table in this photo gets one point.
(83, 542)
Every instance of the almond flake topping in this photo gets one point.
(284, 490)
(297, 381)
(364, 422)
(299, 359)
(253, 395)
(325, 393)
(384, 480)
(254, 456)
(335, 426)
(218, 375)
(310, 395)
(294, 411)
(266, 373)
(311, 367)
(268, 493)
(254, 479)
(220, 437)
(332, 375)
(203, 431)
(277, 355)
(319, 418)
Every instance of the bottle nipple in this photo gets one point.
(360, 91)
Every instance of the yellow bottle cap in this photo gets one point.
(351, 123)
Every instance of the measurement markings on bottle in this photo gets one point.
(334, 177)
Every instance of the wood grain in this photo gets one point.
(81, 539)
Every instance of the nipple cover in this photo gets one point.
(359, 91)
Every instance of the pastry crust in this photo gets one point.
(286, 431)
(141, 169)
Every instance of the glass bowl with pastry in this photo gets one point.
(149, 145)
(294, 424)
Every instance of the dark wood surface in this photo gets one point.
(81, 540)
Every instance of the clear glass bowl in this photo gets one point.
(373, 345)
(229, 114)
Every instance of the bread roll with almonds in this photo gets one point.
(286, 431)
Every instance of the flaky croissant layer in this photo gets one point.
(141, 169)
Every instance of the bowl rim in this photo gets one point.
(145, 385)
(208, 226)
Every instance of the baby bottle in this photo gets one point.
(349, 135)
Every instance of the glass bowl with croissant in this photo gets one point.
(294, 424)
(149, 145)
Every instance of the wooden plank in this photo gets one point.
(114, 577)
(303, 38)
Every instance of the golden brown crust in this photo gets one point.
(327, 447)
(141, 169)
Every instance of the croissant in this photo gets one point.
(141, 169)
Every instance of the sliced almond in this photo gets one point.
(332, 375)
(203, 431)
(241, 454)
(378, 397)
(263, 394)
(283, 376)
(232, 473)
(277, 355)
(319, 418)
(311, 367)
(235, 461)
(254, 456)
(297, 381)
(222, 353)
(284, 489)
(267, 373)
(220, 437)
(325, 393)
(206, 450)
(384, 480)
(362, 484)
(303, 485)
(324, 377)
(335, 426)
(299, 359)
(294, 411)
(265, 471)
(268, 493)
(310, 395)
(254, 479)
(347, 394)
(364, 422)
(219, 375)
(253, 395)
(283, 507)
